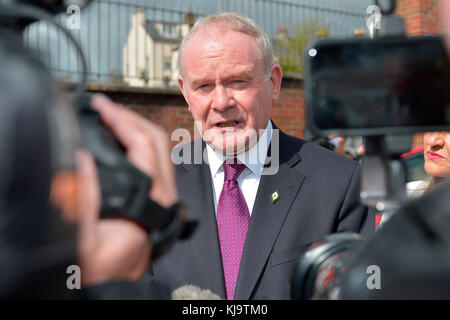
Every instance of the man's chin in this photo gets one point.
(228, 148)
(231, 143)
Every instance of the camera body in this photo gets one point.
(385, 89)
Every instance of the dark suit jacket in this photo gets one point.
(318, 195)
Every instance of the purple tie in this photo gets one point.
(232, 223)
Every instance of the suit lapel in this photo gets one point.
(205, 241)
(267, 218)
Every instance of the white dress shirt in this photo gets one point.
(249, 178)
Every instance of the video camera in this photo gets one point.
(385, 89)
(62, 123)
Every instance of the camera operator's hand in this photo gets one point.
(112, 249)
(147, 147)
(109, 249)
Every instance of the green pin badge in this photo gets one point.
(275, 195)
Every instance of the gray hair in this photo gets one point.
(239, 23)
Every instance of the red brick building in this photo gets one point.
(421, 16)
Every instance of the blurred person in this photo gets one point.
(351, 147)
(253, 225)
(337, 142)
(323, 142)
(342, 145)
(48, 225)
(354, 146)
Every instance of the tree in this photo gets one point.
(289, 50)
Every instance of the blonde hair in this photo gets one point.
(239, 23)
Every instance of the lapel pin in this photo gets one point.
(275, 196)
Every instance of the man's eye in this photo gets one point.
(238, 82)
(203, 86)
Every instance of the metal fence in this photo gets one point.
(134, 43)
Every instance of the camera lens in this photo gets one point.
(318, 272)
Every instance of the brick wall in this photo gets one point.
(421, 16)
(288, 112)
(169, 109)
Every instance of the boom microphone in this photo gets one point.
(191, 292)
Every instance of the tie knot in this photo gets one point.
(232, 170)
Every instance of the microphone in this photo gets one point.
(191, 292)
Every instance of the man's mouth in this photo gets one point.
(227, 124)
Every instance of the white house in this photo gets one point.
(151, 51)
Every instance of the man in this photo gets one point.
(255, 220)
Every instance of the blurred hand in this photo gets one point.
(361, 150)
(147, 147)
(109, 249)
(113, 249)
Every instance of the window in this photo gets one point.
(169, 30)
(167, 63)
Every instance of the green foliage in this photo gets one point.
(289, 49)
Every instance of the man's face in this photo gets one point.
(226, 89)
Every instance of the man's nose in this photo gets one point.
(434, 139)
(222, 99)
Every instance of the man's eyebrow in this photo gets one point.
(238, 75)
(198, 81)
(241, 74)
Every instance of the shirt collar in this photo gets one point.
(253, 159)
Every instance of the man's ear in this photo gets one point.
(275, 80)
(180, 84)
(182, 89)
